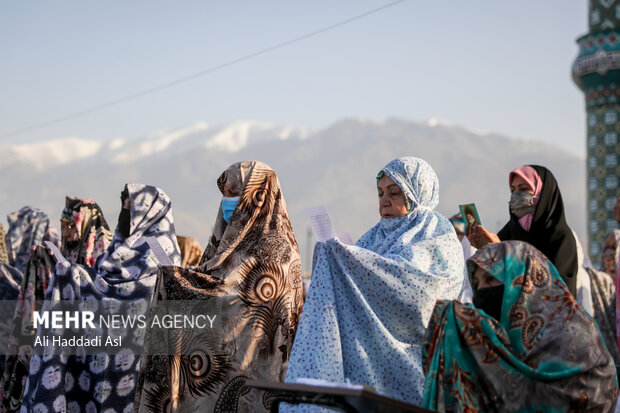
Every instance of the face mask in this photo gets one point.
(228, 206)
(490, 300)
(521, 203)
(124, 218)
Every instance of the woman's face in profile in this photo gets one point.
(69, 230)
(391, 198)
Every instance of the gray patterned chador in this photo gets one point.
(122, 280)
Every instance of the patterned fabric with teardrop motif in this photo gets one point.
(251, 269)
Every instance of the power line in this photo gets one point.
(197, 74)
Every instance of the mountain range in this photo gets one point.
(335, 166)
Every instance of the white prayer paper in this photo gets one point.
(158, 251)
(345, 238)
(59, 257)
(321, 223)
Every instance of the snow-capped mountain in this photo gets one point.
(228, 138)
(335, 166)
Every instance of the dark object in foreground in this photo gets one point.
(349, 400)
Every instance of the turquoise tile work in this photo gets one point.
(596, 71)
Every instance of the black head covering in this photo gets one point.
(549, 231)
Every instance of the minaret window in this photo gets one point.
(593, 184)
(595, 17)
(611, 182)
(592, 162)
(610, 202)
(610, 160)
(592, 141)
(593, 205)
(592, 119)
(610, 138)
(611, 117)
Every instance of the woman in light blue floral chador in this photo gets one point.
(369, 304)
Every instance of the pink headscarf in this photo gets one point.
(530, 176)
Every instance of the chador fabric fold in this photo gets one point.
(84, 237)
(603, 287)
(544, 354)
(548, 230)
(10, 280)
(86, 234)
(584, 285)
(22, 334)
(121, 283)
(369, 304)
(28, 228)
(251, 272)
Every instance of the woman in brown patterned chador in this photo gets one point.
(251, 269)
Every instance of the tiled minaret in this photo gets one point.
(597, 73)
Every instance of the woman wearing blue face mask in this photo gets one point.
(229, 204)
(537, 217)
(251, 273)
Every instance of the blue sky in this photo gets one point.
(496, 66)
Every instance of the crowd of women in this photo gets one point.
(431, 311)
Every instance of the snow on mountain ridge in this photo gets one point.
(43, 155)
(234, 137)
(238, 135)
(229, 138)
(157, 142)
(335, 167)
(435, 122)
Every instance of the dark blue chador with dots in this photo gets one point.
(122, 282)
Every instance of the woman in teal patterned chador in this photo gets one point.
(542, 353)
